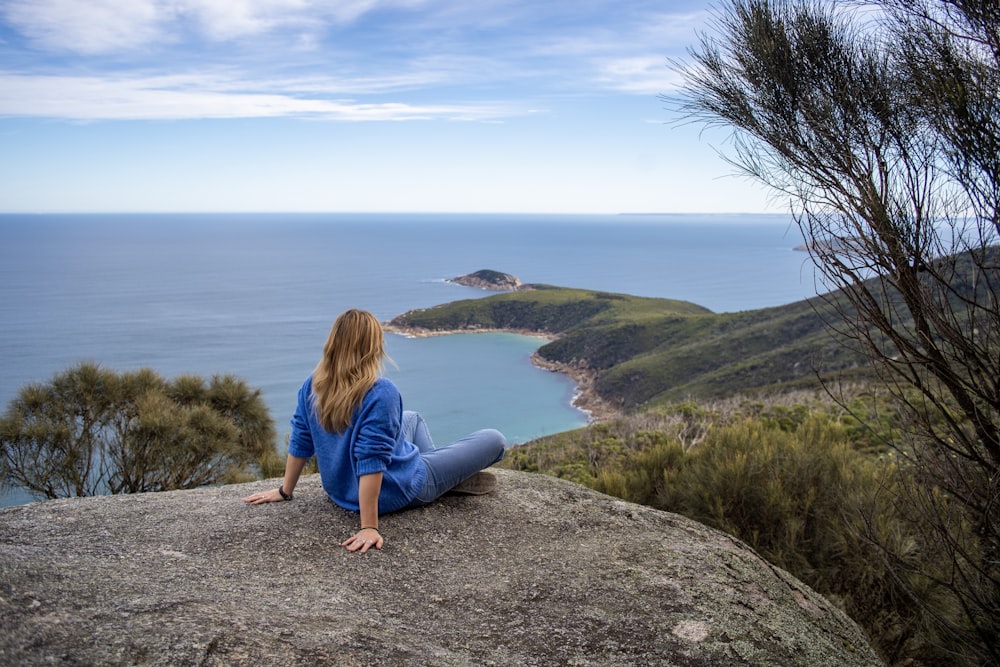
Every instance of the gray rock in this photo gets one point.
(541, 572)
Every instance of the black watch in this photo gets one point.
(281, 490)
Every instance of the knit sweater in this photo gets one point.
(372, 443)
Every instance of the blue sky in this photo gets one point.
(354, 105)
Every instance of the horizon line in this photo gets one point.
(387, 212)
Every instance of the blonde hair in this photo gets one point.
(352, 361)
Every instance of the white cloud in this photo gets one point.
(672, 28)
(644, 75)
(303, 53)
(630, 56)
(360, 85)
(113, 26)
(221, 20)
(195, 96)
(87, 26)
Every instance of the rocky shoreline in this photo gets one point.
(585, 398)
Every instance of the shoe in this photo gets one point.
(479, 484)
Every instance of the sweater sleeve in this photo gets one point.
(300, 442)
(378, 427)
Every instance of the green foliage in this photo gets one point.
(92, 431)
(784, 492)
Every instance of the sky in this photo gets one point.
(494, 106)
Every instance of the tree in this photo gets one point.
(91, 431)
(879, 123)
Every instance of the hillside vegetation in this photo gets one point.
(648, 351)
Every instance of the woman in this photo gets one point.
(373, 457)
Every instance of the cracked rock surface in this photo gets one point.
(540, 572)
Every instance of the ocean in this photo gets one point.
(254, 295)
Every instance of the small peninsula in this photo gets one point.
(629, 352)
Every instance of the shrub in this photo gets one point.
(92, 431)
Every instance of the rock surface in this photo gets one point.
(488, 279)
(541, 572)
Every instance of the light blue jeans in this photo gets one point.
(451, 464)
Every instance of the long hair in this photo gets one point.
(352, 360)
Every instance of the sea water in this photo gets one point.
(254, 295)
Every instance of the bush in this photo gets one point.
(91, 431)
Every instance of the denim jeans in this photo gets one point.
(451, 464)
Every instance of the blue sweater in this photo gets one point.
(373, 442)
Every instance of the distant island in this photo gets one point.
(489, 280)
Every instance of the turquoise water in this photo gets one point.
(254, 295)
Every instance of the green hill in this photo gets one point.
(644, 351)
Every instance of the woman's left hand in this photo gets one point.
(363, 540)
(269, 496)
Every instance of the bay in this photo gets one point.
(254, 295)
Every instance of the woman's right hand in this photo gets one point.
(364, 539)
(271, 496)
